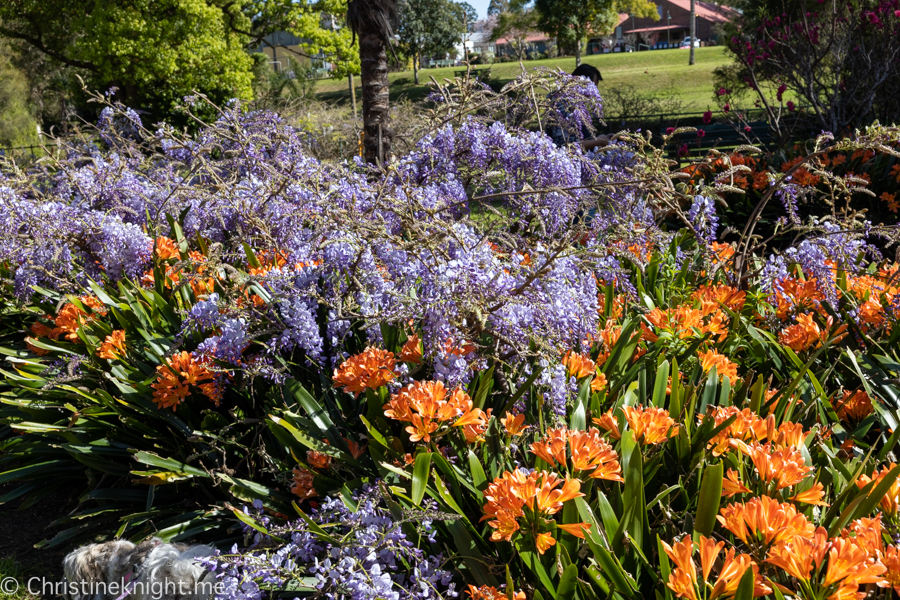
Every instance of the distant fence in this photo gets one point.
(33, 151)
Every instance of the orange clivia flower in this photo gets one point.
(71, 318)
(796, 295)
(850, 564)
(745, 427)
(650, 425)
(724, 367)
(544, 541)
(356, 449)
(175, 378)
(728, 296)
(867, 534)
(709, 552)
(799, 555)
(590, 454)
(764, 519)
(731, 485)
(576, 529)
(474, 424)
(760, 180)
(782, 466)
(370, 370)
(426, 406)
(578, 365)
(113, 346)
(891, 561)
(733, 569)
(411, 351)
(514, 424)
(487, 592)
(318, 460)
(166, 248)
(681, 554)
(814, 495)
(890, 502)
(682, 579)
(608, 422)
(302, 484)
(682, 322)
(722, 253)
(854, 406)
(803, 335)
(598, 383)
(510, 494)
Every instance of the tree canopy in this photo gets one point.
(514, 24)
(428, 27)
(570, 21)
(156, 52)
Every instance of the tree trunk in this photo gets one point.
(415, 60)
(693, 29)
(375, 98)
(353, 96)
(577, 53)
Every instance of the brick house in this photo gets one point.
(674, 23)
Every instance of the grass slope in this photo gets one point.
(655, 73)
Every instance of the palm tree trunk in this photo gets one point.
(693, 29)
(375, 97)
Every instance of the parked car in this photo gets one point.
(686, 42)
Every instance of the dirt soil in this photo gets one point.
(20, 530)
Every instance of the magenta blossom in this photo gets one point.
(707, 117)
(781, 90)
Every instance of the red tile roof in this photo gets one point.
(659, 28)
(708, 10)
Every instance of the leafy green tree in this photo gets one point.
(570, 21)
(497, 7)
(321, 26)
(468, 13)
(428, 27)
(154, 51)
(17, 124)
(514, 24)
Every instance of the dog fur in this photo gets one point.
(151, 570)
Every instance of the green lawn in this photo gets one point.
(655, 73)
(13, 581)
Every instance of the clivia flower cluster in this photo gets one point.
(431, 411)
(521, 503)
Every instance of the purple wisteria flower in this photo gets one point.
(367, 556)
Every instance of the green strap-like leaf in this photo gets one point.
(567, 584)
(659, 386)
(710, 497)
(745, 587)
(421, 471)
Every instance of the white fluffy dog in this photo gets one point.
(151, 570)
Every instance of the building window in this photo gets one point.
(659, 10)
